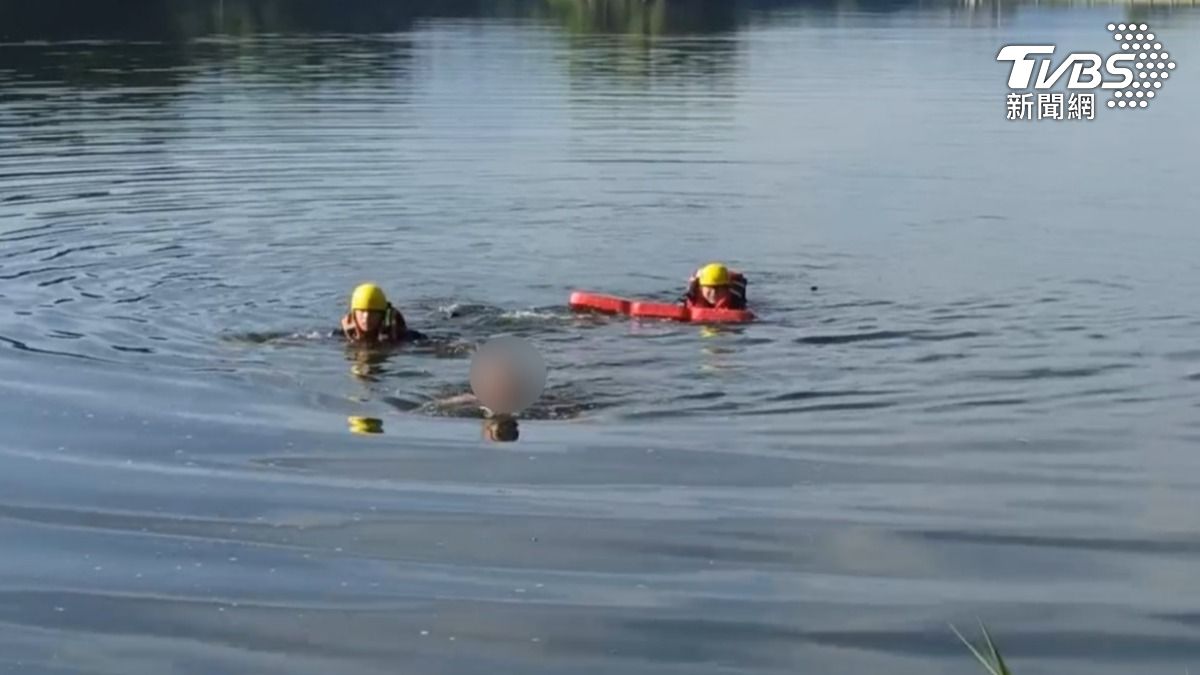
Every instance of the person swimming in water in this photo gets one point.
(373, 320)
(495, 380)
(716, 286)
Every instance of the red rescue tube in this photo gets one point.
(608, 304)
(716, 315)
(611, 304)
(659, 310)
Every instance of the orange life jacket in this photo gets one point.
(735, 299)
(393, 328)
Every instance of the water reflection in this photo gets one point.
(365, 425)
(718, 354)
(187, 19)
(151, 52)
(645, 17)
(184, 20)
(501, 429)
(367, 363)
(150, 73)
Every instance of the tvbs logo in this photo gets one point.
(1133, 75)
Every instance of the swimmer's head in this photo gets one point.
(368, 304)
(713, 280)
(713, 275)
(368, 320)
(507, 375)
(715, 294)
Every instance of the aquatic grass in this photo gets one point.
(988, 656)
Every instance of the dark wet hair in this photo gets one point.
(502, 429)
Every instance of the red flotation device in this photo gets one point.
(660, 310)
(610, 304)
(605, 304)
(719, 315)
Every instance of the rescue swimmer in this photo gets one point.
(716, 286)
(372, 320)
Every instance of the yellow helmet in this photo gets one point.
(369, 297)
(714, 274)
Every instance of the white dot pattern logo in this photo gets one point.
(1151, 62)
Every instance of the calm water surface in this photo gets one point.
(988, 407)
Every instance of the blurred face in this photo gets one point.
(368, 320)
(714, 294)
(507, 375)
(498, 383)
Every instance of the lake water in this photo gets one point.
(974, 391)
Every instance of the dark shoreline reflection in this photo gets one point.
(184, 20)
(152, 49)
